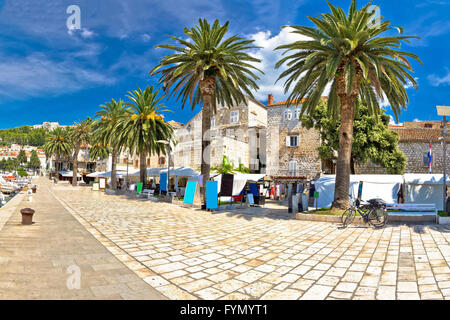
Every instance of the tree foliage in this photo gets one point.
(22, 157)
(373, 141)
(24, 135)
(142, 127)
(34, 163)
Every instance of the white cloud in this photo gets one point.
(37, 75)
(436, 80)
(416, 120)
(392, 121)
(86, 33)
(146, 37)
(270, 57)
(409, 84)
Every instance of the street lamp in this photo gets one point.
(167, 143)
(126, 183)
(444, 112)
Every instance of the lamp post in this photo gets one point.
(444, 112)
(126, 183)
(167, 143)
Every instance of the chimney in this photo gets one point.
(270, 99)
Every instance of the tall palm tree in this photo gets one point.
(104, 130)
(99, 151)
(80, 135)
(143, 126)
(58, 144)
(211, 69)
(349, 53)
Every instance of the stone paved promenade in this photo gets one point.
(189, 254)
(39, 261)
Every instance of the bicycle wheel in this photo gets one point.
(378, 217)
(347, 217)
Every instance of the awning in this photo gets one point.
(94, 174)
(415, 178)
(179, 171)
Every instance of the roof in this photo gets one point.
(175, 124)
(418, 134)
(295, 101)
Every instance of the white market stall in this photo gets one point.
(239, 181)
(177, 172)
(384, 187)
(425, 188)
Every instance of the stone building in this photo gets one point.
(292, 149)
(414, 140)
(237, 132)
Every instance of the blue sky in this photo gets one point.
(48, 73)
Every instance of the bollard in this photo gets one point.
(294, 204)
(27, 216)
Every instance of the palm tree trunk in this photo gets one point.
(207, 87)
(75, 167)
(341, 200)
(113, 169)
(143, 166)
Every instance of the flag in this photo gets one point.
(430, 159)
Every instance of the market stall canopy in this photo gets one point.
(425, 188)
(380, 186)
(107, 174)
(417, 178)
(67, 174)
(239, 180)
(95, 174)
(178, 171)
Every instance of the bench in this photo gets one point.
(413, 209)
(148, 193)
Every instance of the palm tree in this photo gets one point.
(210, 69)
(143, 125)
(99, 151)
(58, 144)
(349, 53)
(104, 130)
(80, 135)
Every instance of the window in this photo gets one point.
(125, 160)
(292, 141)
(287, 115)
(162, 160)
(425, 159)
(213, 122)
(189, 128)
(428, 125)
(293, 168)
(234, 116)
(297, 114)
(148, 162)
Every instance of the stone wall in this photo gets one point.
(279, 155)
(414, 152)
(227, 139)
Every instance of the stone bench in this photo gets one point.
(412, 211)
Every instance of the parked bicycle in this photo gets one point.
(374, 213)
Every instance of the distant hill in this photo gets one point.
(24, 135)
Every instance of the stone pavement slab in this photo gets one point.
(57, 258)
(190, 254)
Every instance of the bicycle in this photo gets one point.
(374, 213)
